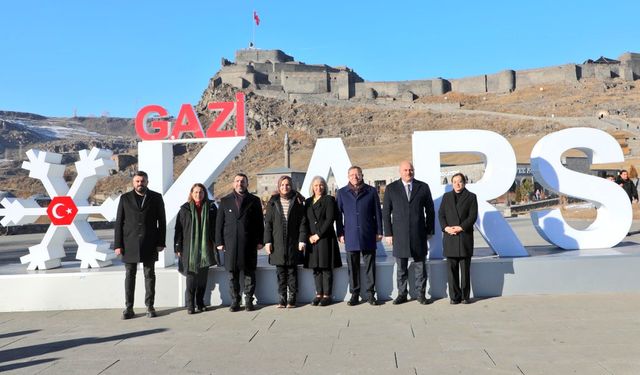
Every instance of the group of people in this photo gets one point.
(295, 231)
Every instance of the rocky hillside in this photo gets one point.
(375, 132)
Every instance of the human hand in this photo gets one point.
(267, 248)
(301, 246)
(341, 239)
(389, 240)
(119, 251)
(314, 238)
(260, 246)
(378, 237)
(221, 247)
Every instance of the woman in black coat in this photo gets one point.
(324, 254)
(284, 238)
(458, 213)
(193, 244)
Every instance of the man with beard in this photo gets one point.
(359, 206)
(139, 235)
(239, 230)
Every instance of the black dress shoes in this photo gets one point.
(191, 311)
(291, 303)
(454, 302)
(325, 301)
(202, 308)
(423, 300)
(128, 314)
(248, 304)
(316, 300)
(235, 306)
(283, 302)
(151, 312)
(372, 301)
(402, 298)
(355, 299)
(466, 301)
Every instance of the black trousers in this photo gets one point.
(353, 262)
(458, 292)
(196, 287)
(131, 269)
(402, 275)
(249, 285)
(287, 277)
(323, 278)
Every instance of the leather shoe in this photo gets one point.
(402, 298)
(355, 299)
(128, 314)
(190, 311)
(453, 302)
(283, 302)
(316, 301)
(466, 301)
(235, 306)
(248, 305)
(372, 301)
(424, 300)
(325, 301)
(151, 312)
(202, 308)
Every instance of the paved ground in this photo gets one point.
(581, 334)
(577, 334)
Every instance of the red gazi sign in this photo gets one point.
(187, 121)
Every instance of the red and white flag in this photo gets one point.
(256, 18)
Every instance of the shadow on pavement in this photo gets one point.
(50, 347)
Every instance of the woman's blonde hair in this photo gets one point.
(323, 182)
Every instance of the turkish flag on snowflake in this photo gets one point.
(256, 18)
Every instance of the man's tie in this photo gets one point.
(407, 187)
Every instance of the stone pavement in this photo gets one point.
(581, 334)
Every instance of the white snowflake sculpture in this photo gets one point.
(69, 209)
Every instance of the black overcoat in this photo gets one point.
(325, 253)
(463, 214)
(139, 231)
(285, 250)
(182, 236)
(408, 221)
(240, 231)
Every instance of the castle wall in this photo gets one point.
(305, 82)
(470, 85)
(630, 66)
(245, 56)
(545, 76)
(502, 82)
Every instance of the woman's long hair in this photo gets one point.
(206, 194)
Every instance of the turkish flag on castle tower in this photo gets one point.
(256, 18)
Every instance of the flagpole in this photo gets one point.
(253, 37)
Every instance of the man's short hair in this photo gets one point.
(462, 176)
(142, 174)
(242, 175)
(355, 167)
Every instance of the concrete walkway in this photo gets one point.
(581, 334)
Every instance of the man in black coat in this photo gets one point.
(457, 214)
(408, 217)
(239, 230)
(627, 185)
(140, 232)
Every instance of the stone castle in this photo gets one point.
(274, 73)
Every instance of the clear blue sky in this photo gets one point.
(117, 56)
